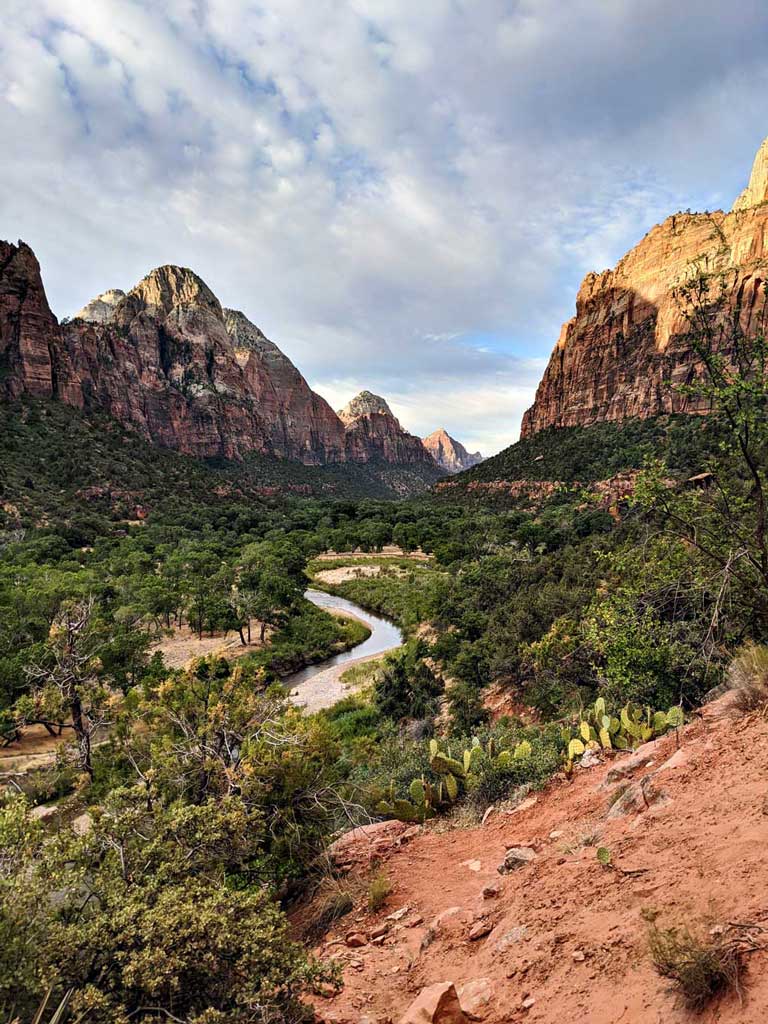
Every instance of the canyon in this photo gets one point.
(629, 346)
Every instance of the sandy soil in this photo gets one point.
(326, 688)
(563, 930)
(352, 572)
(184, 645)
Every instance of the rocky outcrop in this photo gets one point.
(629, 343)
(449, 453)
(374, 432)
(166, 360)
(102, 308)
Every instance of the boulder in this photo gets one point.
(437, 1004)
(476, 997)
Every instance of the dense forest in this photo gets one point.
(208, 798)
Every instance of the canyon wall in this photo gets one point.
(629, 343)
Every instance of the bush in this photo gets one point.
(699, 969)
(748, 677)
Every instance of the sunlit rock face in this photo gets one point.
(373, 432)
(630, 339)
(449, 453)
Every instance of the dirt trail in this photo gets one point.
(562, 930)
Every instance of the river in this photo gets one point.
(319, 686)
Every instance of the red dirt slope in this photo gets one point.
(565, 939)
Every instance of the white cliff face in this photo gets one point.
(757, 190)
(101, 309)
(364, 404)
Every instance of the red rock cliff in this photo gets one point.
(617, 356)
(374, 432)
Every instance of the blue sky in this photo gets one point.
(404, 197)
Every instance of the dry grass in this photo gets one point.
(332, 901)
(379, 889)
(700, 969)
(748, 678)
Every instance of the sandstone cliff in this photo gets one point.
(373, 432)
(627, 345)
(166, 360)
(449, 453)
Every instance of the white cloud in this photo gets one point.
(379, 184)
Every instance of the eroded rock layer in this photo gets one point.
(449, 453)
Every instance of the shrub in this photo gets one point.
(378, 891)
(699, 969)
(748, 677)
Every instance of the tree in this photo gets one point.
(67, 683)
(269, 583)
(724, 515)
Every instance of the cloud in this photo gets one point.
(379, 184)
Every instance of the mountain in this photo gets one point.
(630, 337)
(449, 453)
(165, 359)
(374, 432)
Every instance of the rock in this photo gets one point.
(491, 891)
(524, 805)
(590, 759)
(82, 824)
(479, 930)
(437, 1004)
(379, 931)
(638, 797)
(528, 1003)
(410, 833)
(448, 453)
(629, 334)
(516, 857)
(556, 834)
(476, 998)
(399, 914)
(511, 938)
(360, 845)
(356, 939)
(642, 758)
(579, 956)
(473, 865)
(488, 812)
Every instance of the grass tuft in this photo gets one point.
(379, 890)
(748, 678)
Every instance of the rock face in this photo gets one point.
(373, 432)
(166, 360)
(629, 339)
(450, 454)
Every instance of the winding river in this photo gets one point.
(319, 686)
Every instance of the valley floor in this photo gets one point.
(564, 938)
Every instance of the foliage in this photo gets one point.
(748, 677)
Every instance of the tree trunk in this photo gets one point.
(83, 736)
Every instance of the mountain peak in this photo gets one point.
(169, 286)
(449, 453)
(756, 191)
(364, 404)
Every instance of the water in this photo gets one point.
(385, 636)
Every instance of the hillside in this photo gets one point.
(561, 937)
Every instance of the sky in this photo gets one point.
(403, 194)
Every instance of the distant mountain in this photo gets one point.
(449, 453)
(629, 339)
(167, 361)
(374, 432)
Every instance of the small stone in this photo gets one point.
(379, 930)
(398, 915)
(528, 1003)
(437, 1004)
(410, 833)
(476, 997)
(510, 938)
(557, 834)
(579, 956)
(356, 939)
(491, 891)
(379, 940)
(479, 930)
(473, 865)
(516, 857)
